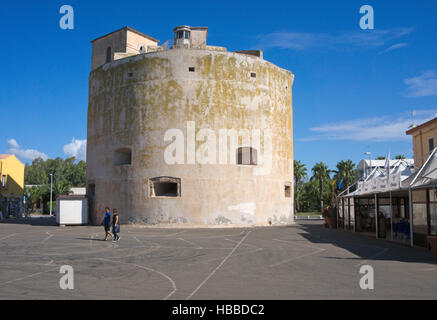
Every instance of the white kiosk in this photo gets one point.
(72, 210)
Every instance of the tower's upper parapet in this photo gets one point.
(190, 37)
(122, 42)
(127, 42)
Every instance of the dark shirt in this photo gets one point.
(114, 219)
(107, 219)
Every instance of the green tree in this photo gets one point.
(380, 158)
(66, 174)
(300, 172)
(400, 156)
(308, 196)
(345, 172)
(35, 174)
(37, 194)
(320, 173)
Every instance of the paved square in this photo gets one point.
(303, 261)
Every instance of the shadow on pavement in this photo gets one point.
(92, 239)
(34, 221)
(364, 247)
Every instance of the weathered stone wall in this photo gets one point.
(134, 101)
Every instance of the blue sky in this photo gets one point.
(355, 90)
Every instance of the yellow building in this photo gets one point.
(11, 184)
(424, 139)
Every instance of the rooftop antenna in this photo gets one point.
(412, 125)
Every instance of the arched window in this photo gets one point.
(247, 156)
(142, 49)
(108, 54)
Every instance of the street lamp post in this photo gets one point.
(369, 168)
(51, 192)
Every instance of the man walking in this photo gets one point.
(107, 224)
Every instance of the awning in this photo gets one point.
(427, 175)
(380, 181)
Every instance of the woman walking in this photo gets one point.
(115, 225)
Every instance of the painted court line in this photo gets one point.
(8, 236)
(318, 250)
(192, 243)
(148, 269)
(47, 238)
(299, 244)
(372, 257)
(26, 277)
(218, 267)
(295, 258)
(235, 255)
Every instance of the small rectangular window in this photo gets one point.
(431, 144)
(122, 156)
(247, 156)
(165, 187)
(253, 74)
(191, 69)
(187, 34)
(287, 190)
(3, 181)
(130, 74)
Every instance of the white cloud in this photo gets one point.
(76, 148)
(387, 128)
(301, 41)
(423, 85)
(394, 47)
(28, 154)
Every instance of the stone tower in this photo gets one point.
(188, 134)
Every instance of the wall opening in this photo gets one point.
(91, 190)
(108, 54)
(122, 156)
(142, 49)
(165, 187)
(191, 69)
(247, 156)
(287, 190)
(253, 74)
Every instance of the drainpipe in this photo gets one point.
(391, 217)
(435, 212)
(376, 216)
(410, 196)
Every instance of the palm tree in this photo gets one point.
(60, 187)
(320, 172)
(300, 172)
(37, 194)
(346, 172)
